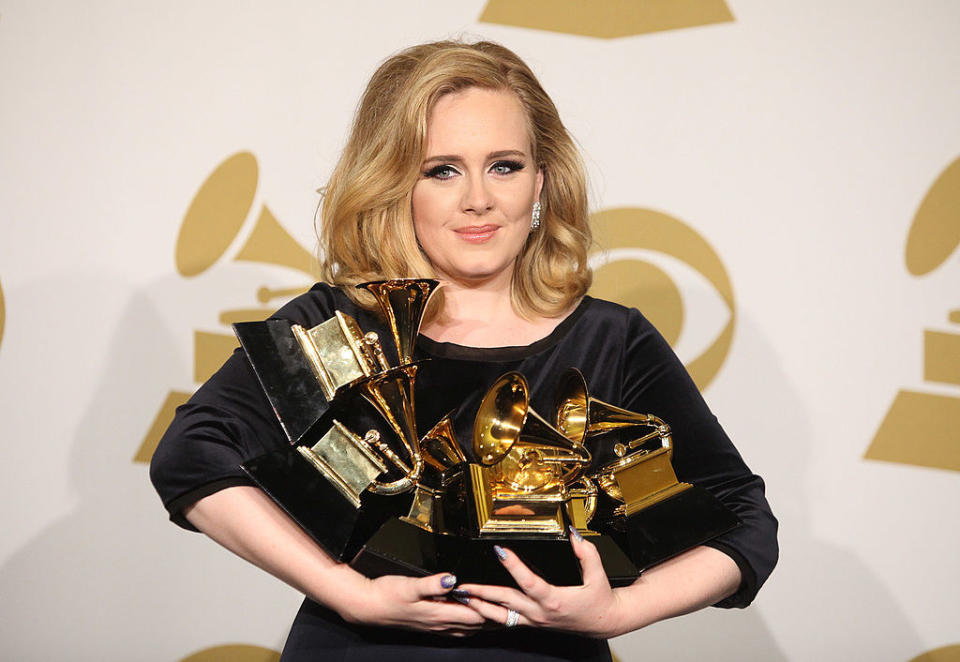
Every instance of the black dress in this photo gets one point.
(625, 361)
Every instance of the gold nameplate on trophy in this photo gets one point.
(345, 460)
(337, 352)
(640, 480)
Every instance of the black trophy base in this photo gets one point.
(398, 548)
(473, 560)
(401, 548)
(314, 503)
(674, 525)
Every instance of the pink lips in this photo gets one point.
(477, 234)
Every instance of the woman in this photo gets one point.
(459, 168)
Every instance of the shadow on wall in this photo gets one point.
(112, 578)
(822, 602)
(2, 313)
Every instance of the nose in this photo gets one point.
(477, 197)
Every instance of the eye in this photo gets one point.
(441, 172)
(506, 167)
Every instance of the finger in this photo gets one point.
(444, 616)
(528, 581)
(434, 586)
(500, 595)
(498, 614)
(590, 564)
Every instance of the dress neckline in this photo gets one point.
(449, 350)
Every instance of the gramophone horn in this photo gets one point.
(402, 302)
(500, 418)
(439, 446)
(579, 417)
(391, 394)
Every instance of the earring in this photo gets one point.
(535, 217)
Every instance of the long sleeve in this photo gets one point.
(656, 382)
(225, 423)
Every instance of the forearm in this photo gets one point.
(695, 579)
(246, 522)
(249, 524)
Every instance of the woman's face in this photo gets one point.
(473, 202)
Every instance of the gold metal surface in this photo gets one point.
(372, 342)
(579, 515)
(336, 352)
(313, 357)
(580, 417)
(582, 504)
(424, 511)
(391, 394)
(403, 302)
(641, 479)
(440, 448)
(528, 466)
(372, 438)
(345, 460)
(498, 512)
(531, 455)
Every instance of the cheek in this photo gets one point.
(426, 209)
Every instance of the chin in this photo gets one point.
(478, 274)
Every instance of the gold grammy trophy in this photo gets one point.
(655, 515)
(643, 474)
(522, 484)
(308, 375)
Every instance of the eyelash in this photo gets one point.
(445, 171)
(512, 166)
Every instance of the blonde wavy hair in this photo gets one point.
(366, 225)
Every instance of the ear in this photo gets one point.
(539, 183)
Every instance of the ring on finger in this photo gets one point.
(512, 618)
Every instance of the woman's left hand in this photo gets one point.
(592, 609)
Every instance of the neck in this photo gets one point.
(487, 301)
(482, 315)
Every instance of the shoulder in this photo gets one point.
(611, 316)
(627, 331)
(600, 328)
(316, 305)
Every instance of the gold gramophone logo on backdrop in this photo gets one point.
(218, 222)
(923, 427)
(234, 653)
(606, 19)
(622, 273)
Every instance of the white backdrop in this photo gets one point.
(798, 140)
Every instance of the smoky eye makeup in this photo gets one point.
(506, 166)
(442, 171)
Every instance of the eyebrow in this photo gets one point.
(454, 158)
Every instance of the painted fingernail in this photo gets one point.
(448, 581)
(500, 552)
(575, 533)
(460, 596)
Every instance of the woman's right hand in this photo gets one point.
(411, 603)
